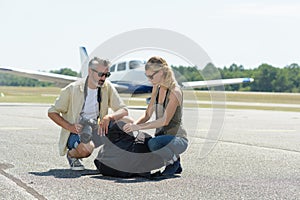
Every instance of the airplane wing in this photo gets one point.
(58, 79)
(132, 81)
(212, 83)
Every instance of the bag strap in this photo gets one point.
(165, 100)
(99, 98)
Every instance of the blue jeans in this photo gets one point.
(73, 141)
(167, 146)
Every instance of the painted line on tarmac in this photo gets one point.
(217, 140)
(269, 130)
(195, 131)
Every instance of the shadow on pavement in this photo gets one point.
(66, 173)
(134, 179)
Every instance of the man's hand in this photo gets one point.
(75, 128)
(103, 125)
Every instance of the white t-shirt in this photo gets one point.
(91, 106)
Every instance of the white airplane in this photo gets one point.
(127, 76)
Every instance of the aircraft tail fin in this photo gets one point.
(84, 61)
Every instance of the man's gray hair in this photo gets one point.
(99, 61)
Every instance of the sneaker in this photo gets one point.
(171, 169)
(75, 164)
(179, 170)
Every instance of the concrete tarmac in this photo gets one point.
(232, 154)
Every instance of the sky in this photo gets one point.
(46, 34)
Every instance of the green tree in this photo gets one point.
(293, 73)
(264, 76)
(65, 71)
(210, 72)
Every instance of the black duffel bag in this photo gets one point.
(125, 155)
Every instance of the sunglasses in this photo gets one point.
(155, 60)
(151, 76)
(100, 74)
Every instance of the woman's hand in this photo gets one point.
(130, 127)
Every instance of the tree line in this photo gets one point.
(266, 77)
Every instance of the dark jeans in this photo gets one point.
(74, 139)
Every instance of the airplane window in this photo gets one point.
(112, 68)
(121, 66)
(133, 64)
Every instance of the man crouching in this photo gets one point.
(82, 112)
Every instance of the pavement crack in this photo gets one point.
(19, 182)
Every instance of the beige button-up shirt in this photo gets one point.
(70, 102)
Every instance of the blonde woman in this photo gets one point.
(166, 101)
